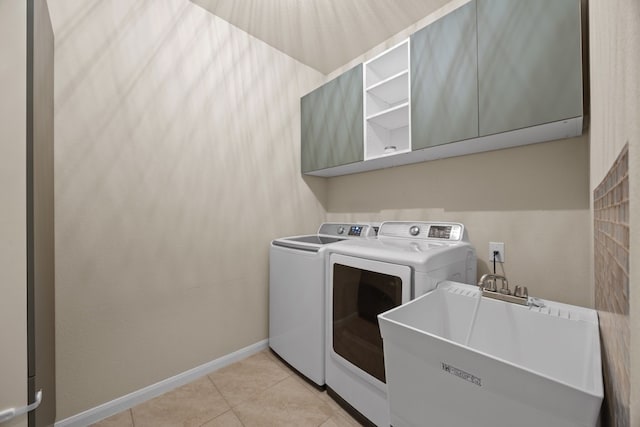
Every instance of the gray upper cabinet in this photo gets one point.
(444, 80)
(529, 63)
(489, 75)
(332, 123)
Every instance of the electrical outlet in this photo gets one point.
(499, 247)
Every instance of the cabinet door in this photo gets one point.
(332, 123)
(529, 63)
(444, 81)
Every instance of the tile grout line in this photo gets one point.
(226, 401)
(317, 394)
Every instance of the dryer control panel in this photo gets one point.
(449, 232)
(423, 230)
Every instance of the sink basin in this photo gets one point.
(521, 366)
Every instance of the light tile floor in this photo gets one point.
(257, 391)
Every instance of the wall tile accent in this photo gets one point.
(611, 250)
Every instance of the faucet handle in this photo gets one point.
(521, 292)
(505, 286)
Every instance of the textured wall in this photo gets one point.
(177, 160)
(611, 268)
(614, 37)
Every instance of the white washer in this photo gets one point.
(369, 277)
(297, 295)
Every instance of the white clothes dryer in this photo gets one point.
(297, 295)
(369, 277)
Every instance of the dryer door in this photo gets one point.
(360, 289)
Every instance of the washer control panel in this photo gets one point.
(355, 230)
(351, 230)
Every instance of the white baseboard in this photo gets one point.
(130, 400)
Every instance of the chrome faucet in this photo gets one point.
(488, 282)
(488, 286)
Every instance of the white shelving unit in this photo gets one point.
(386, 103)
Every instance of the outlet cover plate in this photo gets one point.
(496, 246)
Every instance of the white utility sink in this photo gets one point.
(525, 367)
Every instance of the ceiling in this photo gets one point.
(324, 34)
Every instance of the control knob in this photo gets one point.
(414, 230)
(341, 230)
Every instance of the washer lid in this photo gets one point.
(329, 232)
(311, 242)
(314, 238)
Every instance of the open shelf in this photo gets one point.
(393, 89)
(386, 142)
(392, 118)
(386, 103)
(388, 63)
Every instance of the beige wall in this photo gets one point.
(177, 160)
(615, 92)
(613, 76)
(13, 226)
(535, 199)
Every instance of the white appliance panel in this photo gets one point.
(296, 307)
